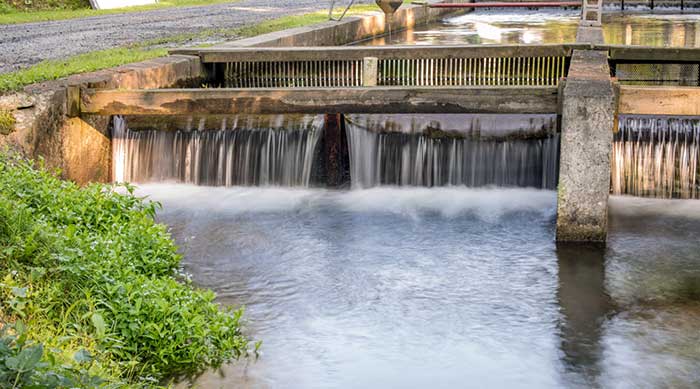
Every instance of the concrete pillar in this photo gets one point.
(370, 71)
(588, 113)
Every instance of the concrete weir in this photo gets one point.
(48, 126)
(67, 121)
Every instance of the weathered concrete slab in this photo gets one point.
(590, 34)
(321, 100)
(588, 114)
(659, 100)
(259, 54)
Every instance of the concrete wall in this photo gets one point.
(81, 146)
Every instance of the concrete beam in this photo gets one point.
(622, 53)
(659, 100)
(318, 100)
(588, 115)
(344, 53)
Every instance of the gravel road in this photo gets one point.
(22, 45)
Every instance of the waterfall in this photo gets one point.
(246, 150)
(656, 156)
(440, 150)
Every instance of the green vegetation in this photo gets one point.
(55, 69)
(45, 10)
(103, 59)
(90, 290)
(7, 122)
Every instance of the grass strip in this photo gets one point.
(16, 16)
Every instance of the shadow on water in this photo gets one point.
(585, 306)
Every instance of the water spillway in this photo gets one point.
(247, 151)
(657, 156)
(453, 150)
(403, 150)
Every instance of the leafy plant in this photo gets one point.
(89, 269)
(27, 364)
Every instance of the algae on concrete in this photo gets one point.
(7, 122)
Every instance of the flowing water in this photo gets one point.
(250, 150)
(657, 156)
(443, 287)
(449, 286)
(455, 150)
(506, 26)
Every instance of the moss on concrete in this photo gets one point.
(7, 122)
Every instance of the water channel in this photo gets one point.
(453, 281)
(550, 26)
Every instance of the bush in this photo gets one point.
(89, 269)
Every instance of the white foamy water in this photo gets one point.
(449, 202)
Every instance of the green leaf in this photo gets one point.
(83, 356)
(99, 324)
(12, 363)
(29, 357)
(19, 292)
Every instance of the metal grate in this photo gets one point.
(488, 71)
(293, 74)
(522, 71)
(680, 74)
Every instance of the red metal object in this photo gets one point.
(532, 4)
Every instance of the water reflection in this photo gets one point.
(585, 307)
(550, 26)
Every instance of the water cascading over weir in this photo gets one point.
(453, 150)
(589, 102)
(400, 150)
(244, 150)
(657, 156)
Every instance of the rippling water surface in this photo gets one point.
(444, 287)
(506, 26)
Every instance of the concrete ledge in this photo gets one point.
(385, 100)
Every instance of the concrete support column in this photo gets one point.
(588, 114)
